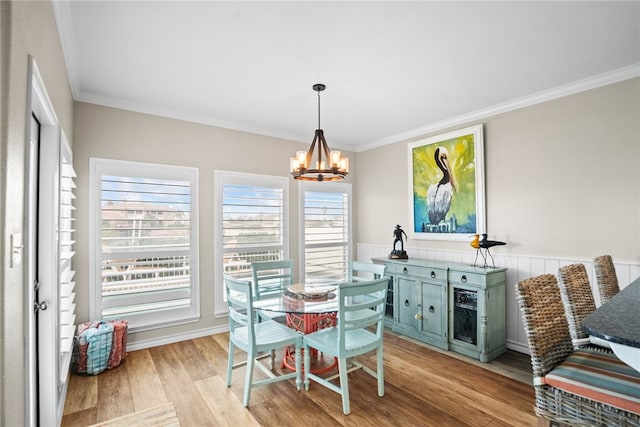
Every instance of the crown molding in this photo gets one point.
(589, 83)
(62, 16)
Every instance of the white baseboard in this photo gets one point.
(138, 344)
(517, 346)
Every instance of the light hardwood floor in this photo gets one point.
(423, 387)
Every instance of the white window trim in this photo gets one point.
(221, 178)
(334, 187)
(97, 168)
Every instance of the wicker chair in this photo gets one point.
(606, 277)
(552, 355)
(577, 299)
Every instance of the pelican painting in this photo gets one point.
(440, 194)
(447, 185)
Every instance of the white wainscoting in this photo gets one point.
(519, 267)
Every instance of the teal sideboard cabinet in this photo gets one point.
(451, 306)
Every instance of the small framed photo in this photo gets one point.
(446, 184)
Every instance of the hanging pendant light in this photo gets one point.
(325, 165)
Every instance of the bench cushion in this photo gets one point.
(598, 376)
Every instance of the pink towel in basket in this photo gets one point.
(119, 347)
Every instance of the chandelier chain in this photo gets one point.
(319, 110)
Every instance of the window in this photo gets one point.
(325, 222)
(144, 243)
(251, 224)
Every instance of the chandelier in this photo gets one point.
(326, 165)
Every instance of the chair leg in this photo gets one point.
(230, 363)
(380, 371)
(299, 367)
(307, 365)
(344, 385)
(248, 379)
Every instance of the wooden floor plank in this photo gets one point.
(114, 394)
(215, 354)
(146, 387)
(82, 393)
(82, 418)
(226, 408)
(178, 387)
(194, 362)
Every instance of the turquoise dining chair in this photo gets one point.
(359, 271)
(363, 271)
(352, 336)
(270, 277)
(257, 339)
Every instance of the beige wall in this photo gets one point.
(118, 134)
(28, 28)
(562, 179)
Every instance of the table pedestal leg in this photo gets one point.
(307, 323)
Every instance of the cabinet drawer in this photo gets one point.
(465, 278)
(425, 273)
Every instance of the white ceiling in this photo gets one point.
(393, 70)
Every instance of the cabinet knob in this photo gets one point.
(405, 271)
(418, 316)
(431, 309)
(463, 279)
(406, 303)
(433, 274)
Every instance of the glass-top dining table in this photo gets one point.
(307, 308)
(618, 322)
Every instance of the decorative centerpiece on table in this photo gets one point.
(398, 233)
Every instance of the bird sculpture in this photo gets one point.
(482, 246)
(439, 195)
(484, 243)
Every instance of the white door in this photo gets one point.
(41, 261)
(31, 267)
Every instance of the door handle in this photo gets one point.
(40, 306)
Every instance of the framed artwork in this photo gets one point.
(446, 185)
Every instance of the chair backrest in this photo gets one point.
(577, 297)
(359, 271)
(356, 297)
(606, 277)
(270, 277)
(240, 304)
(545, 324)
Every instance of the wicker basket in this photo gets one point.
(99, 345)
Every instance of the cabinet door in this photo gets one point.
(432, 309)
(407, 301)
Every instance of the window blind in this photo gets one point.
(326, 235)
(147, 245)
(251, 225)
